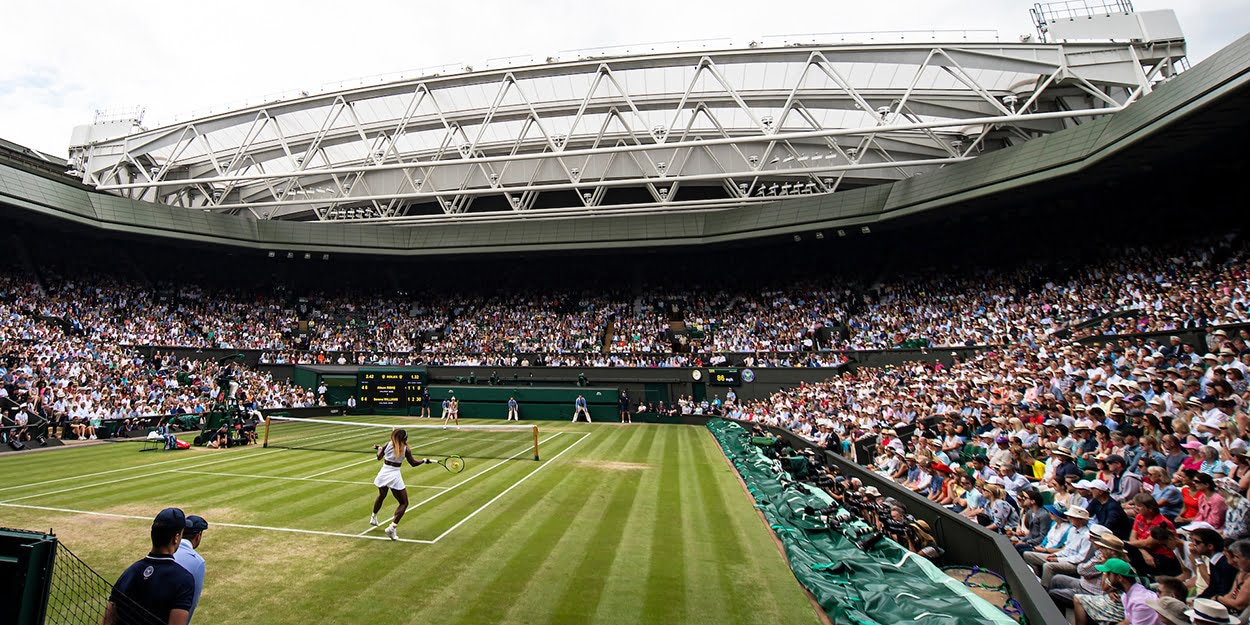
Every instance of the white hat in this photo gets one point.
(1194, 525)
(1209, 612)
(995, 480)
(1099, 485)
(1077, 512)
(1081, 484)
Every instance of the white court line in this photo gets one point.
(518, 483)
(218, 524)
(297, 479)
(135, 477)
(373, 458)
(153, 464)
(461, 483)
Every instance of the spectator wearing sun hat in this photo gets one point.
(1088, 580)
(1074, 551)
(1208, 612)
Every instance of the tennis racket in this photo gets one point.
(454, 464)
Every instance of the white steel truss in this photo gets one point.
(664, 132)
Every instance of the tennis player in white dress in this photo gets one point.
(390, 479)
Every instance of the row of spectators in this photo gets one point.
(1135, 450)
(57, 382)
(1128, 291)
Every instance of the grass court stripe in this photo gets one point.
(514, 485)
(215, 523)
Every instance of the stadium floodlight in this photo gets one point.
(307, 256)
(290, 254)
(325, 257)
(841, 233)
(797, 238)
(767, 120)
(820, 236)
(272, 253)
(753, 160)
(865, 230)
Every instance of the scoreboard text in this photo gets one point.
(390, 388)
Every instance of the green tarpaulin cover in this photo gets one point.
(885, 586)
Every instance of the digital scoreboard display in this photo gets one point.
(390, 388)
(724, 377)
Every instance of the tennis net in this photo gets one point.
(470, 441)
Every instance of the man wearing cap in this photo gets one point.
(190, 559)
(156, 584)
(1067, 464)
(1120, 576)
(1108, 512)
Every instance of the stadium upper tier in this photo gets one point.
(673, 132)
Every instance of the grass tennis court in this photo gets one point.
(616, 524)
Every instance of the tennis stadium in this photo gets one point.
(936, 326)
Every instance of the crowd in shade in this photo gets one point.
(1127, 290)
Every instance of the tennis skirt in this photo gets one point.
(389, 477)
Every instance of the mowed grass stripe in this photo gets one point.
(576, 510)
(498, 540)
(666, 579)
(712, 551)
(580, 542)
(583, 568)
(628, 582)
(780, 598)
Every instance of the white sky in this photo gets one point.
(64, 59)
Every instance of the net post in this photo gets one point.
(535, 442)
(266, 443)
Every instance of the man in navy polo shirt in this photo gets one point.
(156, 585)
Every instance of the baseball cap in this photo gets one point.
(1117, 567)
(170, 518)
(196, 524)
(1099, 485)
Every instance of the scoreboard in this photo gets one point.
(724, 377)
(390, 388)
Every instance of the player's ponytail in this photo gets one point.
(399, 443)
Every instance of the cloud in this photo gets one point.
(63, 60)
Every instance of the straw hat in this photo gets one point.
(1171, 609)
(1077, 512)
(1209, 612)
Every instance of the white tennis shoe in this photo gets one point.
(373, 520)
(393, 532)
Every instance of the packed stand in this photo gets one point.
(1138, 451)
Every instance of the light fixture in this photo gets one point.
(325, 257)
(797, 238)
(272, 254)
(841, 233)
(820, 236)
(865, 230)
(290, 254)
(307, 256)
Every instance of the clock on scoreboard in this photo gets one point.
(724, 377)
(390, 388)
